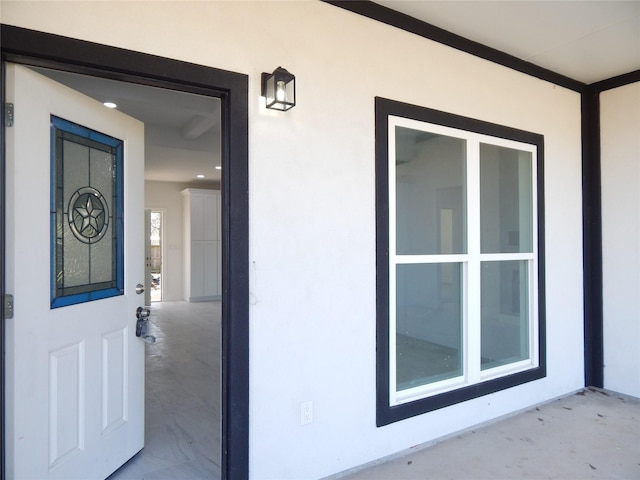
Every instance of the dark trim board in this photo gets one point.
(30, 47)
(410, 24)
(615, 82)
(592, 243)
(592, 225)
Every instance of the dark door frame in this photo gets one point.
(31, 47)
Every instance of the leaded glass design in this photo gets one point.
(86, 214)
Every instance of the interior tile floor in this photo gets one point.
(182, 406)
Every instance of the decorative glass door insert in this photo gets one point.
(86, 214)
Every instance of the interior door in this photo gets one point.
(75, 369)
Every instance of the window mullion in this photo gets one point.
(472, 319)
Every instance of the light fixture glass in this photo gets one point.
(200, 175)
(218, 167)
(110, 105)
(279, 89)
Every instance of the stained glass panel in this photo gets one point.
(86, 214)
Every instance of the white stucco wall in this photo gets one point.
(312, 206)
(620, 147)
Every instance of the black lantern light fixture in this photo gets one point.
(279, 89)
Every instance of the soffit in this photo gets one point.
(588, 41)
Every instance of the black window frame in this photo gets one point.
(386, 413)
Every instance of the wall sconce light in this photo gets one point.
(279, 89)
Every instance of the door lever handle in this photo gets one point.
(142, 325)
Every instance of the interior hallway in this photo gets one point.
(182, 433)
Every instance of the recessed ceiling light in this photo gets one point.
(110, 105)
(199, 176)
(218, 167)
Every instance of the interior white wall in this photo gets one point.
(312, 206)
(620, 152)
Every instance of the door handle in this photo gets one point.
(143, 313)
(142, 325)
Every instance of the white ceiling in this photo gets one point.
(587, 41)
(182, 130)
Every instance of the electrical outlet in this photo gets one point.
(306, 413)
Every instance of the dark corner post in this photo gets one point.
(592, 226)
(592, 239)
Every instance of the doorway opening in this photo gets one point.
(155, 255)
(35, 48)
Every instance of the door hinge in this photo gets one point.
(8, 307)
(8, 114)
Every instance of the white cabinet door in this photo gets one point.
(197, 270)
(197, 214)
(203, 256)
(211, 217)
(75, 373)
(210, 270)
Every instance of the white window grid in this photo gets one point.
(470, 262)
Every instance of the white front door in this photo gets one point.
(75, 252)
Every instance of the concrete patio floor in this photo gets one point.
(593, 434)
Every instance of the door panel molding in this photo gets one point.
(66, 424)
(114, 379)
(30, 47)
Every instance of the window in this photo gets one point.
(460, 259)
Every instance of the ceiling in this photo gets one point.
(182, 130)
(587, 41)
